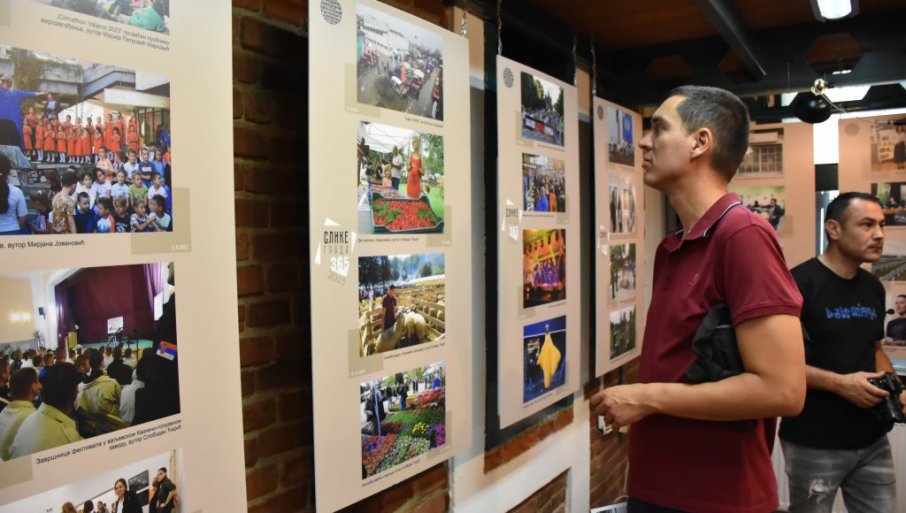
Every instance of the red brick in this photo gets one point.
(292, 345)
(282, 277)
(251, 451)
(279, 439)
(249, 280)
(255, 351)
(259, 414)
(248, 143)
(275, 246)
(268, 313)
(235, 35)
(296, 470)
(237, 104)
(266, 180)
(281, 375)
(239, 171)
(248, 382)
(261, 481)
(242, 246)
(290, 500)
(251, 5)
(241, 318)
(292, 406)
(290, 11)
(245, 68)
(252, 213)
(432, 478)
(267, 39)
(288, 214)
(258, 108)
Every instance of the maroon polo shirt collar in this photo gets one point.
(704, 225)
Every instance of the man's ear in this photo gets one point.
(833, 229)
(702, 142)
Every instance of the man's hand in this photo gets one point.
(903, 401)
(856, 389)
(622, 405)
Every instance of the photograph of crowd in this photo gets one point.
(543, 266)
(888, 145)
(620, 147)
(622, 272)
(765, 154)
(150, 485)
(622, 204)
(543, 357)
(401, 301)
(153, 15)
(892, 265)
(403, 416)
(82, 150)
(400, 176)
(543, 184)
(892, 196)
(542, 109)
(622, 331)
(89, 351)
(399, 64)
(768, 201)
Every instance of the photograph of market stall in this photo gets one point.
(400, 174)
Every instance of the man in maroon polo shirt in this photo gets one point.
(685, 454)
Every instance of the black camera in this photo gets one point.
(889, 409)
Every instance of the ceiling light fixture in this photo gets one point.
(834, 9)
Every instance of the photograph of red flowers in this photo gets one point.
(403, 416)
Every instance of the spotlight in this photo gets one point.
(813, 107)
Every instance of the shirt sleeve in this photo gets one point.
(755, 278)
(21, 209)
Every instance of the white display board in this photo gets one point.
(538, 242)
(390, 207)
(69, 285)
(776, 180)
(620, 245)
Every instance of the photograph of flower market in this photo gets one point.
(403, 416)
(400, 175)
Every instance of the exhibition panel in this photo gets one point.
(620, 232)
(89, 277)
(390, 246)
(538, 240)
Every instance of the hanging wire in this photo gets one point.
(575, 59)
(594, 70)
(499, 29)
(464, 25)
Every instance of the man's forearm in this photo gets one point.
(820, 379)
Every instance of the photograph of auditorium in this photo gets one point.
(400, 180)
(401, 301)
(143, 486)
(620, 146)
(543, 266)
(399, 65)
(542, 109)
(888, 146)
(892, 196)
(101, 341)
(544, 357)
(93, 133)
(892, 265)
(403, 416)
(543, 183)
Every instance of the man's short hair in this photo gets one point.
(162, 469)
(725, 115)
(901, 296)
(837, 208)
(59, 384)
(21, 381)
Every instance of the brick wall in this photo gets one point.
(551, 498)
(608, 452)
